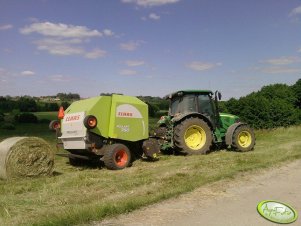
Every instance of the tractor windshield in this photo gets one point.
(205, 105)
(201, 103)
(183, 105)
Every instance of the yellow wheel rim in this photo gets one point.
(244, 139)
(195, 137)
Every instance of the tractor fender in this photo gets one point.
(230, 131)
(181, 117)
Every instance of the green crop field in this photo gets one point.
(77, 195)
(46, 115)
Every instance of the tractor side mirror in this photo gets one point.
(218, 95)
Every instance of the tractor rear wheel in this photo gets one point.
(117, 157)
(193, 136)
(243, 138)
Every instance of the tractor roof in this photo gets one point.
(183, 92)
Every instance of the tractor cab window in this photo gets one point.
(188, 104)
(183, 105)
(205, 105)
(174, 106)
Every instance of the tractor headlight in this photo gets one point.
(90, 121)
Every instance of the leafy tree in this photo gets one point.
(1, 117)
(26, 104)
(279, 91)
(26, 118)
(271, 107)
(51, 107)
(6, 104)
(232, 106)
(69, 96)
(297, 92)
(65, 104)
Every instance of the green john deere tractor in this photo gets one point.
(194, 124)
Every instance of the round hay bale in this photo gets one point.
(25, 157)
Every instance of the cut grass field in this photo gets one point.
(77, 195)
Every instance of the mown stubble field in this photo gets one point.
(77, 195)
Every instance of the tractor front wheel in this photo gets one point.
(193, 136)
(117, 157)
(243, 139)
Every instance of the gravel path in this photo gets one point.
(227, 202)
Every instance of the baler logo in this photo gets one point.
(127, 111)
(125, 114)
(72, 118)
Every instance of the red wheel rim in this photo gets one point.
(121, 158)
(56, 125)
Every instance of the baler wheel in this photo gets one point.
(54, 125)
(117, 157)
(73, 161)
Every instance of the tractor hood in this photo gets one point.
(228, 119)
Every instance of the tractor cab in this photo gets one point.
(202, 102)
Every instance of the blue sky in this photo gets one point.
(147, 47)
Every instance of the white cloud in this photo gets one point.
(6, 27)
(299, 50)
(60, 47)
(96, 53)
(150, 3)
(202, 66)
(59, 78)
(295, 11)
(154, 16)
(130, 46)
(28, 73)
(280, 65)
(134, 63)
(65, 40)
(127, 72)
(281, 70)
(60, 30)
(67, 47)
(283, 60)
(108, 32)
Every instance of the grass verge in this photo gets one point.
(79, 195)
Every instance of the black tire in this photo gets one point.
(117, 157)
(86, 121)
(201, 136)
(54, 125)
(73, 161)
(243, 139)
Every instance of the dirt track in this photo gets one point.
(231, 202)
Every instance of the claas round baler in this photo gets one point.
(113, 129)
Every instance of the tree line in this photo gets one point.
(34, 104)
(272, 106)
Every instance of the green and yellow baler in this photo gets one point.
(111, 128)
